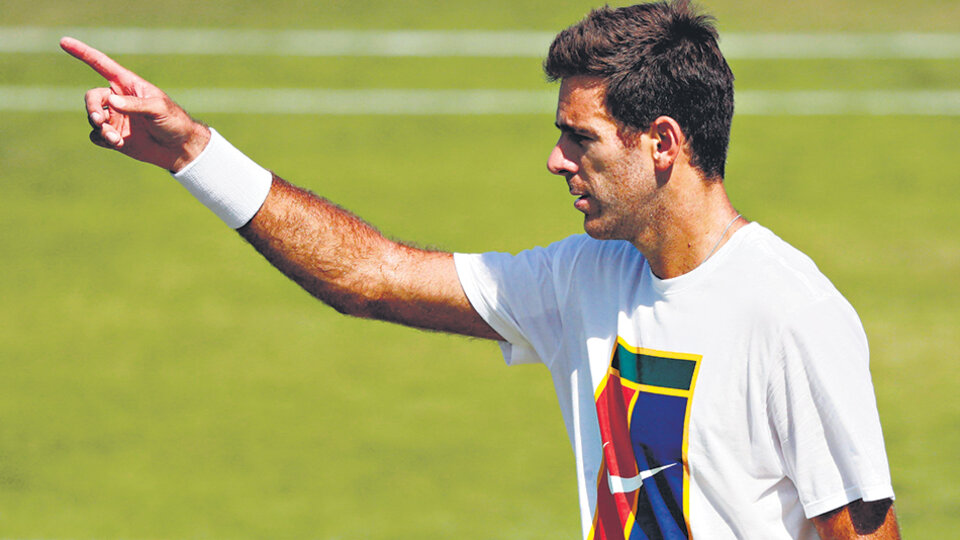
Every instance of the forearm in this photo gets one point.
(328, 251)
(333, 254)
(348, 264)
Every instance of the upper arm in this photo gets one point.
(424, 291)
(823, 406)
(859, 519)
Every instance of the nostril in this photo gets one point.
(557, 163)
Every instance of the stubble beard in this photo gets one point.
(641, 223)
(605, 224)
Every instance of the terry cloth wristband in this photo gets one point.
(226, 181)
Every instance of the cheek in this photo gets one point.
(595, 160)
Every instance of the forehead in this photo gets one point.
(581, 101)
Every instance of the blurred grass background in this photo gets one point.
(159, 380)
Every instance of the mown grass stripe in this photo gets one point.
(841, 46)
(482, 102)
(836, 102)
(447, 43)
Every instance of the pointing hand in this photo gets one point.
(135, 117)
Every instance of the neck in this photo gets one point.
(689, 230)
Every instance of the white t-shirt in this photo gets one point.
(733, 401)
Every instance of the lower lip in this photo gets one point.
(582, 204)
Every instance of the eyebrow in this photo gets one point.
(567, 128)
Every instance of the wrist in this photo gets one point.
(226, 181)
(192, 147)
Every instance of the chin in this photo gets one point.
(598, 230)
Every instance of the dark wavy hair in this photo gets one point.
(657, 59)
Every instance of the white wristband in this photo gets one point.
(226, 181)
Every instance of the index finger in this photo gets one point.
(101, 63)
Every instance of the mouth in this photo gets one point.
(583, 198)
(583, 202)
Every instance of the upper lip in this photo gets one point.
(575, 191)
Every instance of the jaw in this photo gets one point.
(606, 222)
(599, 228)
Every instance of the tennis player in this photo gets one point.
(713, 382)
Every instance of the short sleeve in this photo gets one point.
(518, 297)
(823, 406)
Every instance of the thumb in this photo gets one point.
(136, 105)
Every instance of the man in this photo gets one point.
(714, 384)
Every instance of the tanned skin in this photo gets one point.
(348, 264)
(875, 520)
(333, 254)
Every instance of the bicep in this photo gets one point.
(859, 519)
(424, 291)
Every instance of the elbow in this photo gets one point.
(353, 308)
(365, 304)
(367, 291)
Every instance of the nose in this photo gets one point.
(559, 163)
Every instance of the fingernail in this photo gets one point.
(96, 118)
(117, 101)
(111, 137)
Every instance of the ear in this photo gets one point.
(668, 140)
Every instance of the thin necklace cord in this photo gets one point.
(722, 235)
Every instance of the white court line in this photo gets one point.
(305, 101)
(207, 41)
(841, 46)
(482, 102)
(836, 102)
(441, 43)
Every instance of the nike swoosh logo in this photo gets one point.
(626, 485)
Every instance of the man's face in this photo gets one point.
(611, 175)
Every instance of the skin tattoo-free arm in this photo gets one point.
(348, 264)
(874, 520)
(330, 252)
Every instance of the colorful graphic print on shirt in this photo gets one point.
(643, 406)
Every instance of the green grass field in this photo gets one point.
(158, 380)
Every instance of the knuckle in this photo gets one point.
(93, 99)
(95, 93)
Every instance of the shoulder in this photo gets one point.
(572, 254)
(777, 270)
(582, 246)
(564, 269)
(786, 290)
(582, 251)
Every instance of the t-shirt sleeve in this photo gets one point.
(824, 409)
(518, 296)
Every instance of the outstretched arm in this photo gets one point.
(348, 264)
(330, 252)
(869, 520)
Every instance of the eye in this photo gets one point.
(577, 138)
